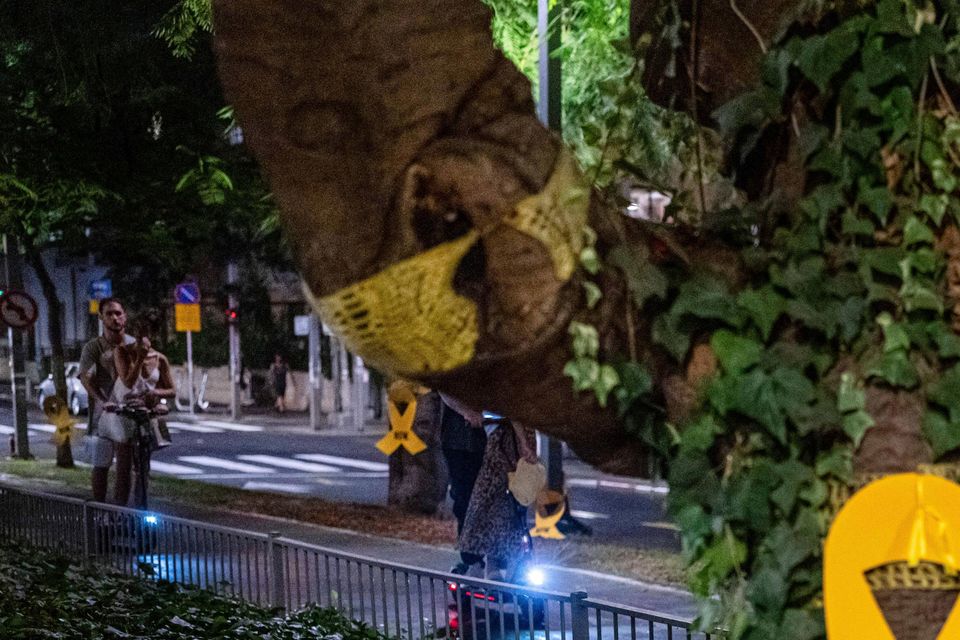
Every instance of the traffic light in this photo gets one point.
(232, 316)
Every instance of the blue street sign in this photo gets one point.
(187, 293)
(100, 289)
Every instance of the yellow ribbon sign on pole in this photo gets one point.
(545, 519)
(59, 416)
(907, 517)
(401, 430)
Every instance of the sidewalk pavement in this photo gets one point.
(656, 598)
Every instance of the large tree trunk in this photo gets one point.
(407, 129)
(55, 334)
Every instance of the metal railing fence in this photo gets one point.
(402, 602)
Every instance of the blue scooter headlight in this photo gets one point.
(536, 577)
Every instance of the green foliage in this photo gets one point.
(46, 595)
(843, 293)
(616, 132)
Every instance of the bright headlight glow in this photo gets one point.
(150, 519)
(536, 576)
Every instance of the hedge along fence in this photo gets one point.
(49, 595)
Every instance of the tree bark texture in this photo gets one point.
(418, 483)
(55, 335)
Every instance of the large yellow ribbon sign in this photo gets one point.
(908, 518)
(401, 430)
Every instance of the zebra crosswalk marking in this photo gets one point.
(288, 463)
(210, 461)
(344, 462)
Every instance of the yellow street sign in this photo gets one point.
(187, 317)
(908, 517)
(94, 307)
(545, 518)
(401, 430)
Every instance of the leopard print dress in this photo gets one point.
(495, 523)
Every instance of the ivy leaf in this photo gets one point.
(895, 367)
(643, 278)
(885, 260)
(754, 396)
(607, 380)
(856, 424)
(948, 343)
(946, 392)
(802, 624)
(635, 382)
(916, 296)
(706, 297)
(916, 232)
(592, 292)
(792, 475)
(586, 340)
(822, 56)
(735, 353)
(767, 590)
(837, 462)
(934, 206)
(852, 224)
(583, 371)
(895, 337)
(666, 332)
(877, 199)
(590, 260)
(943, 435)
(764, 306)
(849, 396)
(701, 434)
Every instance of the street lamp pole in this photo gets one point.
(549, 111)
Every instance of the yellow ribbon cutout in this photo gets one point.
(908, 517)
(59, 416)
(545, 523)
(401, 430)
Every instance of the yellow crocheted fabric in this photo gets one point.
(557, 215)
(407, 318)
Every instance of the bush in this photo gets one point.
(46, 595)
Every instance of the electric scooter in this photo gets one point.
(481, 614)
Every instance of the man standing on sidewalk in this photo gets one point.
(98, 374)
(463, 441)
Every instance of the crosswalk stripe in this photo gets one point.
(6, 429)
(173, 469)
(344, 462)
(197, 428)
(589, 515)
(37, 426)
(275, 486)
(210, 461)
(233, 426)
(287, 463)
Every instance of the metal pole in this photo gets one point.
(314, 374)
(358, 396)
(18, 373)
(579, 618)
(234, 336)
(549, 111)
(190, 369)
